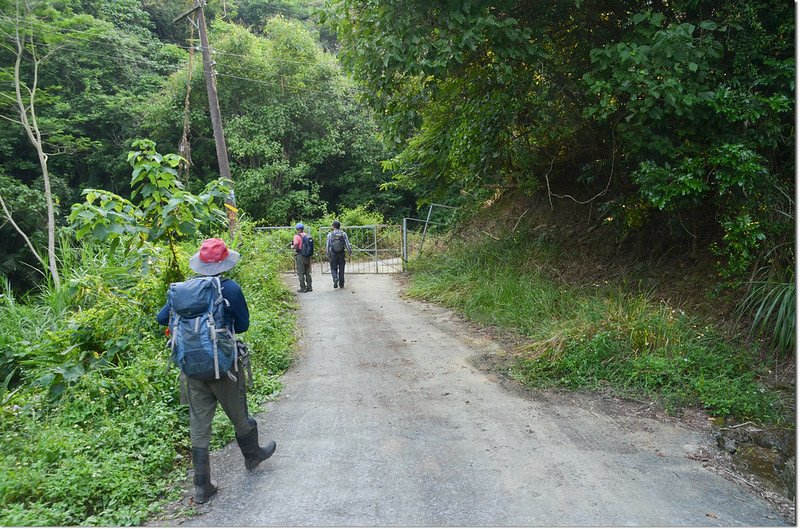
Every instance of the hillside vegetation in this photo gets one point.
(671, 121)
(300, 142)
(605, 335)
(93, 431)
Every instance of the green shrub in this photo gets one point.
(357, 216)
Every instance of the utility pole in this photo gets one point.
(216, 117)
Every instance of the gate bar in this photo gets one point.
(423, 220)
(425, 229)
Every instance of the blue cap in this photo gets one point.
(300, 226)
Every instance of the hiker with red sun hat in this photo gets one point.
(204, 315)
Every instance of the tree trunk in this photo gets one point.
(27, 116)
(51, 218)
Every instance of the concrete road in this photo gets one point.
(384, 421)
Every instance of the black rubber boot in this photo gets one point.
(203, 488)
(252, 452)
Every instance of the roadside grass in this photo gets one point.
(598, 336)
(92, 431)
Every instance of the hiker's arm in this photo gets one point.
(237, 308)
(347, 242)
(163, 315)
(328, 244)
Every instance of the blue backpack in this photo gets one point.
(307, 250)
(201, 344)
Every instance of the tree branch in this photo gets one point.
(4, 45)
(490, 235)
(8, 97)
(19, 230)
(32, 90)
(51, 52)
(31, 127)
(598, 195)
(520, 220)
(10, 119)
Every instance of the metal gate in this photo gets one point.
(278, 239)
(415, 231)
(377, 249)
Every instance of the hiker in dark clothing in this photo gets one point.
(213, 259)
(302, 263)
(335, 246)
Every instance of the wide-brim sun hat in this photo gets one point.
(214, 257)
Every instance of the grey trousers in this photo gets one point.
(303, 270)
(203, 397)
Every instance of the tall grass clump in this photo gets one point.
(596, 336)
(91, 425)
(770, 304)
(482, 281)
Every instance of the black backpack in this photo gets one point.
(307, 250)
(337, 242)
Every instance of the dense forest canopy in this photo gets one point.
(301, 144)
(674, 114)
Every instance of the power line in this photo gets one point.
(155, 65)
(49, 26)
(174, 69)
(302, 16)
(74, 34)
(246, 69)
(74, 39)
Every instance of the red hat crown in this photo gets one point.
(213, 251)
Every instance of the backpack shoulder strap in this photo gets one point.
(218, 283)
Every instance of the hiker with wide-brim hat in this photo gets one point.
(229, 389)
(213, 258)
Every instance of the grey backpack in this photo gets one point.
(337, 242)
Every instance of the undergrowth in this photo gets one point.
(595, 336)
(93, 432)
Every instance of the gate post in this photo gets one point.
(375, 245)
(405, 243)
(322, 261)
